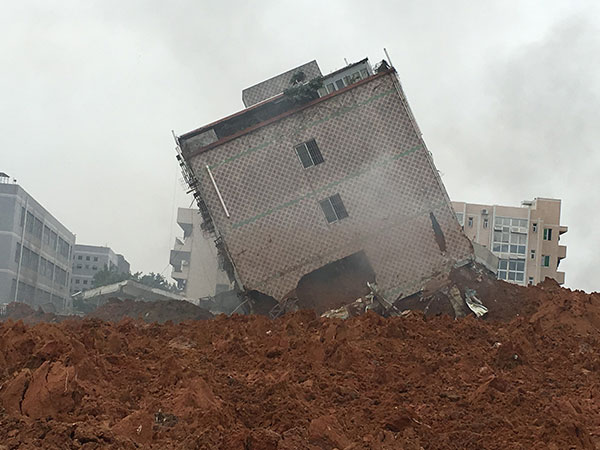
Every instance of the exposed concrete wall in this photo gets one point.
(376, 161)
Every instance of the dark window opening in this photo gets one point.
(309, 153)
(333, 208)
(335, 284)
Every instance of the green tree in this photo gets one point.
(155, 280)
(108, 276)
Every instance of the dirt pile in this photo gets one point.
(174, 310)
(24, 312)
(304, 382)
(504, 301)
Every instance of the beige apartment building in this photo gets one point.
(525, 238)
(196, 267)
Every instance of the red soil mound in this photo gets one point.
(303, 382)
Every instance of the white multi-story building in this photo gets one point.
(525, 239)
(90, 259)
(196, 267)
(35, 251)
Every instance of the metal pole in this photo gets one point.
(388, 57)
(217, 189)
(21, 252)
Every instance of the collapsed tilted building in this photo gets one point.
(321, 184)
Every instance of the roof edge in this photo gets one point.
(273, 119)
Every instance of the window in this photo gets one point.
(510, 235)
(511, 270)
(79, 266)
(530, 281)
(18, 253)
(77, 281)
(94, 267)
(534, 227)
(339, 84)
(87, 258)
(95, 258)
(85, 281)
(485, 223)
(309, 153)
(470, 222)
(545, 260)
(532, 254)
(37, 228)
(547, 234)
(79, 257)
(461, 219)
(333, 208)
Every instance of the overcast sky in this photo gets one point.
(507, 95)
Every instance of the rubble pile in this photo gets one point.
(161, 311)
(115, 310)
(24, 312)
(417, 381)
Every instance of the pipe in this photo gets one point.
(21, 252)
(217, 190)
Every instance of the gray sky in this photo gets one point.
(507, 94)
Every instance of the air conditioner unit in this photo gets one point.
(184, 262)
(484, 212)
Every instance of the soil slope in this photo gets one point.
(303, 382)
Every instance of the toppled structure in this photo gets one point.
(123, 290)
(314, 191)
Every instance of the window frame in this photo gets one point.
(310, 150)
(334, 205)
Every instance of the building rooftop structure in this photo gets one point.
(323, 187)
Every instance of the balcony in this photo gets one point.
(562, 251)
(177, 256)
(181, 272)
(560, 277)
(185, 220)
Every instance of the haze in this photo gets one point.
(506, 93)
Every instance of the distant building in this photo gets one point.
(89, 259)
(35, 251)
(525, 239)
(322, 184)
(196, 268)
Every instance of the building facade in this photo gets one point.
(525, 239)
(196, 267)
(88, 260)
(35, 252)
(296, 188)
